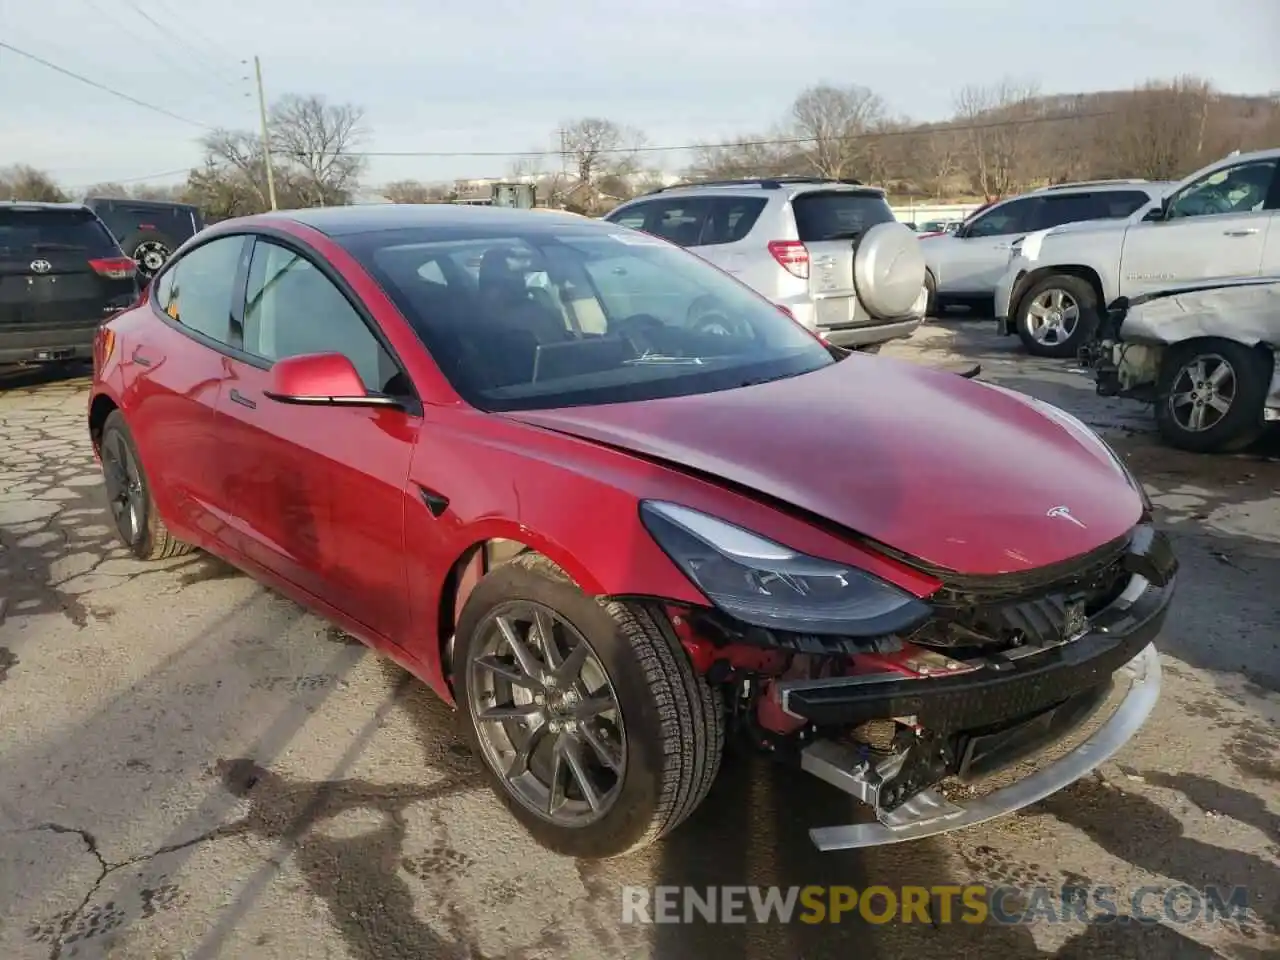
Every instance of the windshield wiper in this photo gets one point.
(657, 359)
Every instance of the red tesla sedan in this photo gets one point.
(618, 508)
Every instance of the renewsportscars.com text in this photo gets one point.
(971, 903)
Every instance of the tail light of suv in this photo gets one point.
(114, 268)
(792, 256)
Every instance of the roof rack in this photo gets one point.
(1094, 183)
(764, 183)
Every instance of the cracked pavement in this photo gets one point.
(191, 766)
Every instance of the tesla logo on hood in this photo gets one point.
(1064, 513)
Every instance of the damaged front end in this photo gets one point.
(1004, 668)
(1130, 352)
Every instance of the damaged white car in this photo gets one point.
(1207, 356)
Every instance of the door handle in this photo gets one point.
(1240, 233)
(139, 359)
(240, 398)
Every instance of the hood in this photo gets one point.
(954, 472)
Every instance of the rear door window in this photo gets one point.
(730, 219)
(838, 214)
(198, 290)
(678, 220)
(1056, 209)
(30, 233)
(1116, 204)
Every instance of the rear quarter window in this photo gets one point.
(26, 232)
(836, 215)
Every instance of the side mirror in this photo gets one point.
(1154, 214)
(321, 380)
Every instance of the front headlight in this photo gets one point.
(768, 585)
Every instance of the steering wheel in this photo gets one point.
(707, 316)
(642, 330)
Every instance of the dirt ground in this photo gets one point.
(192, 766)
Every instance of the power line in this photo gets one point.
(105, 89)
(160, 27)
(738, 144)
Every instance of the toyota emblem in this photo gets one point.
(41, 266)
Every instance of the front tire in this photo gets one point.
(595, 730)
(133, 509)
(1211, 394)
(1057, 315)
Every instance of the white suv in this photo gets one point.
(829, 252)
(966, 265)
(1219, 223)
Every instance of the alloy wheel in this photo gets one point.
(546, 714)
(124, 487)
(1202, 394)
(1052, 317)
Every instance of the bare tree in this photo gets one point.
(319, 138)
(414, 191)
(24, 182)
(936, 153)
(598, 149)
(996, 118)
(108, 188)
(752, 155)
(835, 122)
(1161, 130)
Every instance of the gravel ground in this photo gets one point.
(191, 766)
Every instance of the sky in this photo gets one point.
(500, 76)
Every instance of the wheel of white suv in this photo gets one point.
(1211, 394)
(1057, 316)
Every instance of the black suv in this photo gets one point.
(61, 275)
(148, 230)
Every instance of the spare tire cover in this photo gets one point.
(888, 270)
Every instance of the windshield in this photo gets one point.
(569, 316)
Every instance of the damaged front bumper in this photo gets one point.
(994, 712)
(1127, 355)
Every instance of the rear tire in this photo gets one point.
(667, 726)
(1054, 296)
(1232, 373)
(133, 509)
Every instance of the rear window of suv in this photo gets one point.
(28, 232)
(838, 214)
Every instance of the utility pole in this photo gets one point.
(266, 137)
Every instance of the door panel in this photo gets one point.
(975, 261)
(1216, 228)
(176, 375)
(1164, 253)
(319, 493)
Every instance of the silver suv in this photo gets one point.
(829, 252)
(965, 266)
